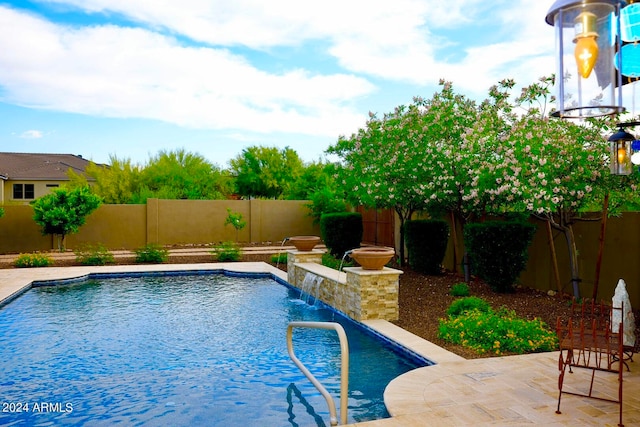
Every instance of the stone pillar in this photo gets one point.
(358, 293)
(297, 257)
(372, 294)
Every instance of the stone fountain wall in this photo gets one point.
(360, 294)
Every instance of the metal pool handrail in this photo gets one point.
(344, 367)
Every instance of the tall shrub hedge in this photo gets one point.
(426, 241)
(498, 251)
(341, 231)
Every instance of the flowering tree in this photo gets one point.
(451, 155)
(553, 169)
(383, 164)
(416, 157)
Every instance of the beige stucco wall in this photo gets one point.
(171, 222)
(621, 258)
(166, 222)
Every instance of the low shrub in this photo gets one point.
(33, 260)
(460, 290)
(426, 242)
(152, 253)
(94, 255)
(227, 252)
(498, 332)
(464, 305)
(330, 261)
(498, 251)
(341, 231)
(279, 258)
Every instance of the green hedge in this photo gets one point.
(426, 242)
(498, 251)
(341, 231)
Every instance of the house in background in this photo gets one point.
(27, 176)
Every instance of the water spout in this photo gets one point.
(349, 252)
(280, 251)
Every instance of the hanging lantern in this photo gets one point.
(587, 39)
(621, 151)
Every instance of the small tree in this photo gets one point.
(64, 211)
(236, 220)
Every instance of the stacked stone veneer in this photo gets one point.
(360, 294)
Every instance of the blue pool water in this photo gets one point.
(180, 350)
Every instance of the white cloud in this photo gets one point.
(147, 73)
(395, 41)
(128, 72)
(31, 134)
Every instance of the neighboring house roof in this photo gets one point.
(40, 166)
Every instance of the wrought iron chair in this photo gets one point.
(588, 342)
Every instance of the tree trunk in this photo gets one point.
(401, 241)
(603, 231)
(573, 260)
(554, 258)
(404, 216)
(456, 248)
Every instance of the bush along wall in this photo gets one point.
(498, 251)
(426, 242)
(341, 232)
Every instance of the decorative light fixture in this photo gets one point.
(588, 43)
(630, 35)
(621, 150)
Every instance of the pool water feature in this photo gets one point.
(181, 350)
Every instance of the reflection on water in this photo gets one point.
(181, 350)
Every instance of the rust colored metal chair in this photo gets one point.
(587, 342)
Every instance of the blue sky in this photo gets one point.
(129, 78)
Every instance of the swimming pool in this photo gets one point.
(203, 349)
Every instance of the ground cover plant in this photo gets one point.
(33, 260)
(460, 289)
(337, 263)
(152, 253)
(484, 330)
(94, 255)
(279, 258)
(227, 252)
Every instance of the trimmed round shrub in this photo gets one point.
(341, 231)
(460, 290)
(467, 304)
(426, 241)
(499, 251)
